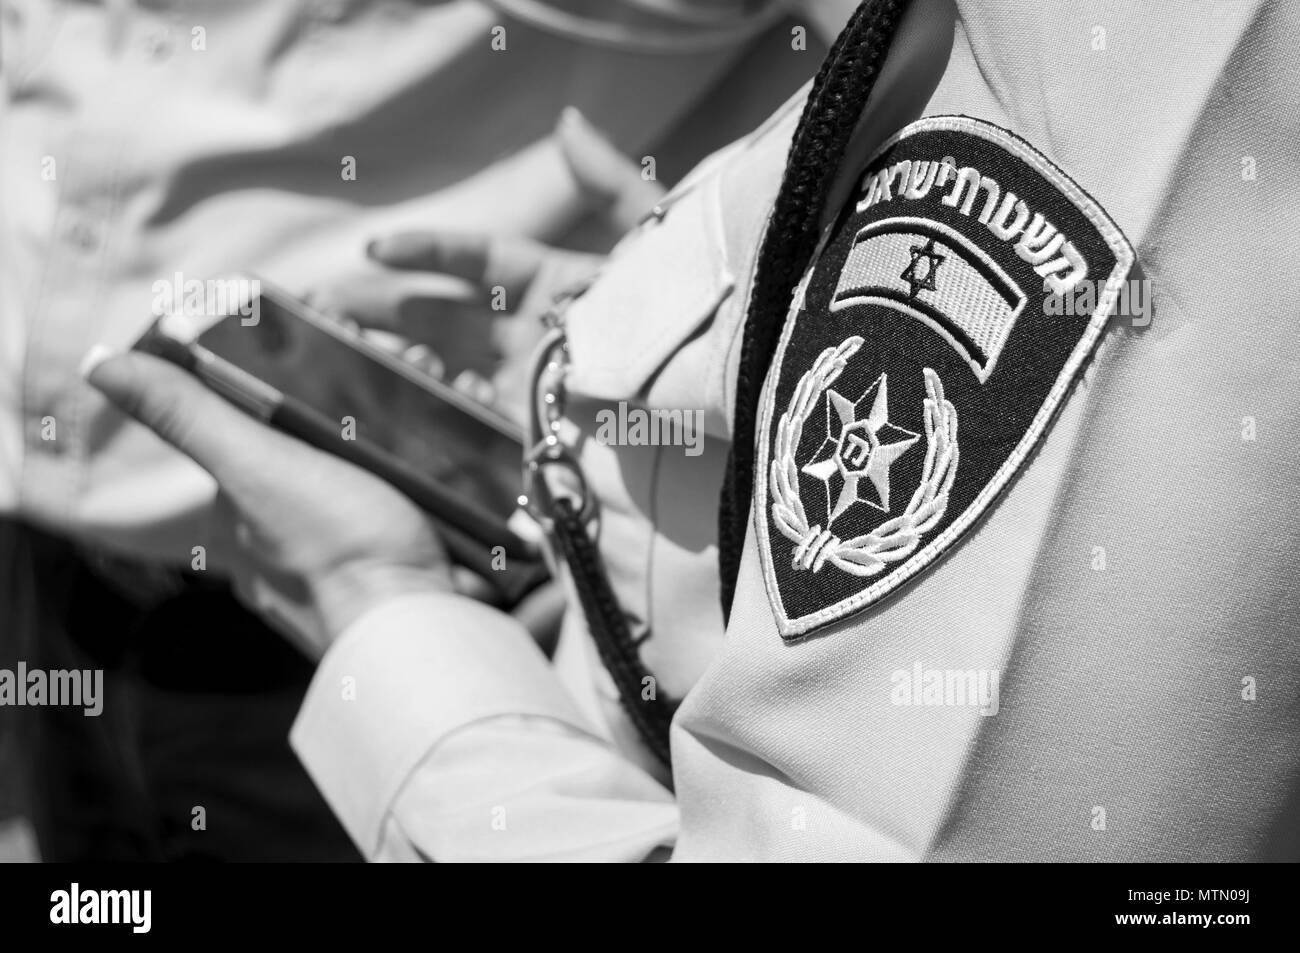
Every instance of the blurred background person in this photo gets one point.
(143, 140)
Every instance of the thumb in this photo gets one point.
(610, 180)
(175, 405)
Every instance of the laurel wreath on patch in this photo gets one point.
(892, 540)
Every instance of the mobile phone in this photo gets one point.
(326, 383)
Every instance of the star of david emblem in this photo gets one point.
(859, 450)
(920, 271)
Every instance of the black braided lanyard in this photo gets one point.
(836, 102)
(838, 97)
(650, 712)
(566, 515)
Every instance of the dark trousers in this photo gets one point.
(189, 759)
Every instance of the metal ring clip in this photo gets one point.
(540, 497)
(548, 451)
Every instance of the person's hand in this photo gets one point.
(610, 185)
(454, 328)
(310, 528)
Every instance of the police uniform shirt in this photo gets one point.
(1098, 663)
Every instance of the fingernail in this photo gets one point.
(96, 356)
(571, 116)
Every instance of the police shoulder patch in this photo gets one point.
(922, 360)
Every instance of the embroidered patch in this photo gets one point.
(922, 361)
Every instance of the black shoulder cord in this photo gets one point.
(838, 97)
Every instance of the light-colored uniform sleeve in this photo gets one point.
(459, 740)
(437, 730)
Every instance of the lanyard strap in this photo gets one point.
(650, 711)
(557, 495)
(834, 106)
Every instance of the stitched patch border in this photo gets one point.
(799, 626)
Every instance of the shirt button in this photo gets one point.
(83, 236)
(159, 43)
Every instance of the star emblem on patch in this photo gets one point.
(919, 366)
(859, 450)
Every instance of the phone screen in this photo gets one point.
(467, 446)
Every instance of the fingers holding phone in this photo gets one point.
(461, 306)
(349, 537)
